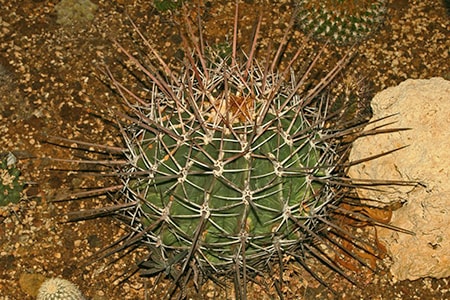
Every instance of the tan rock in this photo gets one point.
(423, 106)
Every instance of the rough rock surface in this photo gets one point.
(423, 106)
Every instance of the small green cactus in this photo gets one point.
(59, 289)
(342, 21)
(11, 186)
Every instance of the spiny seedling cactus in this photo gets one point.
(231, 168)
(11, 186)
(59, 289)
(341, 21)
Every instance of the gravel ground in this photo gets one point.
(50, 85)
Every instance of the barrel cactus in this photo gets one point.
(341, 21)
(227, 173)
(229, 167)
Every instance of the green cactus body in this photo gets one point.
(342, 21)
(221, 180)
